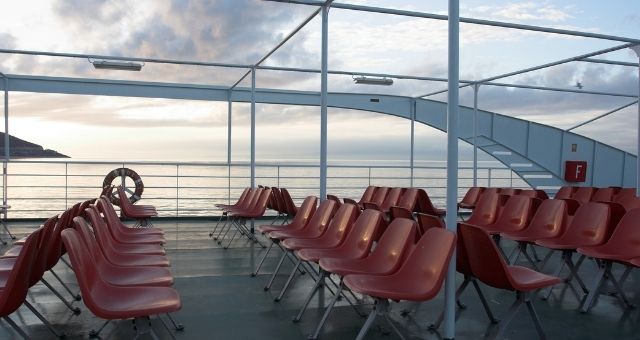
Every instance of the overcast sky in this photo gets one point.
(242, 31)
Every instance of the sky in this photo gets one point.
(242, 31)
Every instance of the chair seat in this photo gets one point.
(526, 235)
(20, 241)
(137, 276)
(131, 302)
(135, 260)
(12, 252)
(141, 239)
(142, 231)
(343, 267)
(314, 255)
(525, 279)
(556, 244)
(634, 261)
(498, 228)
(300, 243)
(389, 287)
(269, 228)
(140, 249)
(284, 234)
(607, 252)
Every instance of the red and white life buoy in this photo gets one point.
(122, 173)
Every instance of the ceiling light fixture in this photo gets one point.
(116, 65)
(373, 80)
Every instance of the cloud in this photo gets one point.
(522, 11)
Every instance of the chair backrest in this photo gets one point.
(279, 200)
(340, 225)
(367, 195)
(363, 233)
(583, 194)
(400, 212)
(509, 191)
(75, 210)
(16, 286)
(244, 194)
(516, 213)
(603, 195)
(379, 195)
(486, 209)
(105, 240)
(484, 258)
(425, 205)
(88, 238)
(589, 226)
(628, 200)
(261, 205)
(565, 192)
(288, 201)
(393, 246)
(125, 204)
(85, 204)
(391, 199)
(248, 199)
(426, 222)
(320, 219)
(40, 263)
(550, 219)
(334, 198)
(472, 195)
(626, 235)
(428, 261)
(306, 210)
(255, 198)
(409, 199)
(624, 192)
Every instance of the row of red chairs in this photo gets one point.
(601, 230)
(138, 212)
(282, 203)
(117, 275)
(395, 200)
(340, 240)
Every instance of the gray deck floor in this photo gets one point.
(220, 300)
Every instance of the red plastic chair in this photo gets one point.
(106, 238)
(16, 283)
(292, 209)
(509, 191)
(548, 222)
(565, 192)
(306, 210)
(470, 198)
(119, 259)
(238, 202)
(385, 259)
(333, 236)
(334, 198)
(367, 196)
(120, 235)
(591, 226)
(486, 209)
(378, 197)
(426, 222)
(419, 278)
(249, 200)
(131, 210)
(408, 200)
(240, 218)
(628, 200)
(603, 195)
(399, 212)
(622, 246)
(583, 194)
(113, 302)
(390, 199)
(314, 228)
(425, 206)
(121, 275)
(107, 209)
(356, 245)
(490, 267)
(515, 215)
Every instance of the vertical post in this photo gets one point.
(452, 162)
(6, 143)
(476, 87)
(413, 123)
(229, 110)
(66, 185)
(323, 102)
(636, 49)
(253, 127)
(177, 190)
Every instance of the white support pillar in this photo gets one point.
(323, 102)
(229, 117)
(7, 149)
(253, 127)
(476, 87)
(452, 163)
(636, 49)
(413, 126)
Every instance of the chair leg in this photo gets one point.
(275, 272)
(176, 326)
(547, 293)
(600, 278)
(215, 227)
(142, 326)
(286, 284)
(621, 296)
(95, 334)
(327, 311)
(485, 304)
(166, 327)
(66, 262)
(515, 307)
(75, 310)
(75, 296)
(367, 324)
(534, 317)
(459, 292)
(44, 320)
(4, 225)
(568, 258)
(264, 257)
(319, 283)
(16, 327)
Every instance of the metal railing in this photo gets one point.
(39, 188)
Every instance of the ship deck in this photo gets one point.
(220, 300)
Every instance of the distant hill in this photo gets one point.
(22, 149)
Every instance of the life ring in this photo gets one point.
(123, 173)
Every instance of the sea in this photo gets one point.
(39, 188)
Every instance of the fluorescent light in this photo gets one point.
(373, 80)
(117, 65)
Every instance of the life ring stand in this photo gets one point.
(123, 173)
